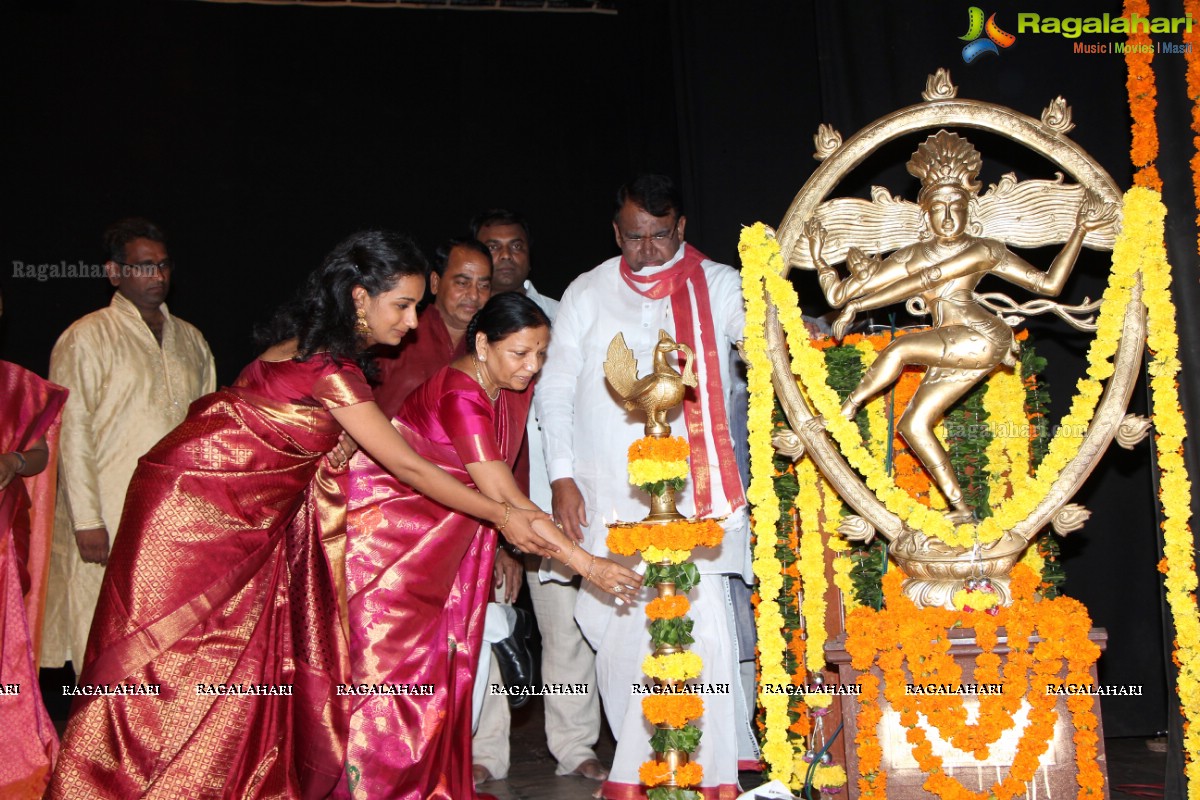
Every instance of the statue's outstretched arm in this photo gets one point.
(1093, 214)
(975, 258)
(867, 273)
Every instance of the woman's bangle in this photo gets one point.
(20, 463)
(591, 568)
(567, 558)
(507, 512)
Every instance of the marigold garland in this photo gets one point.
(655, 773)
(1145, 215)
(760, 250)
(1142, 98)
(672, 710)
(1136, 251)
(656, 555)
(901, 632)
(678, 535)
(653, 448)
(646, 472)
(669, 607)
(777, 750)
(812, 563)
(1191, 41)
(673, 667)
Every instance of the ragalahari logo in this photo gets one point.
(976, 27)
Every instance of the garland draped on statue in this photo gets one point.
(785, 655)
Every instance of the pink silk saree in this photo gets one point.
(220, 579)
(30, 408)
(418, 578)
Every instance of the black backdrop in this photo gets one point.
(258, 136)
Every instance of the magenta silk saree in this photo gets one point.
(221, 593)
(30, 408)
(418, 578)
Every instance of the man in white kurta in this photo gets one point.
(133, 369)
(572, 720)
(587, 432)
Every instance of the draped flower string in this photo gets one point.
(901, 634)
(1191, 42)
(1144, 223)
(760, 250)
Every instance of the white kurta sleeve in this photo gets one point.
(74, 364)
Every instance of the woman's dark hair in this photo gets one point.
(322, 317)
(504, 315)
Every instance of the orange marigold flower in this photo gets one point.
(689, 774)
(683, 534)
(674, 448)
(652, 773)
(669, 607)
(672, 710)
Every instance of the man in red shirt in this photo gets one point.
(461, 282)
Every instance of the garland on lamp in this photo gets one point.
(658, 465)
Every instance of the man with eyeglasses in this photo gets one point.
(658, 282)
(133, 369)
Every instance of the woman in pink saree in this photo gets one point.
(222, 591)
(30, 411)
(418, 575)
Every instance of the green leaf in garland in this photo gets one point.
(685, 576)
(674, 631)
(671, 793)
(1037, 403)
(866, 573)
(967, 439)
(686, 738)
(845, 367)
(1053, 574)
(659, 487)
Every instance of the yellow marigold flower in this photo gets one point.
(829, 776)
(673, 667)
(646, 471)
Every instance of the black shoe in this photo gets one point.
(515, 661)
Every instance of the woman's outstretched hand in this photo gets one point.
(521, 531)
(622, 583)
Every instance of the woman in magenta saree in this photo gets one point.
(30, 411)
(418, 575)
(217, 645)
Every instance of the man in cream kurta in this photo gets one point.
(133, 370)
(587, 433)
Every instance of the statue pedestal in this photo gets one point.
(1055, 779)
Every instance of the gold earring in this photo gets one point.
(361, 327)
